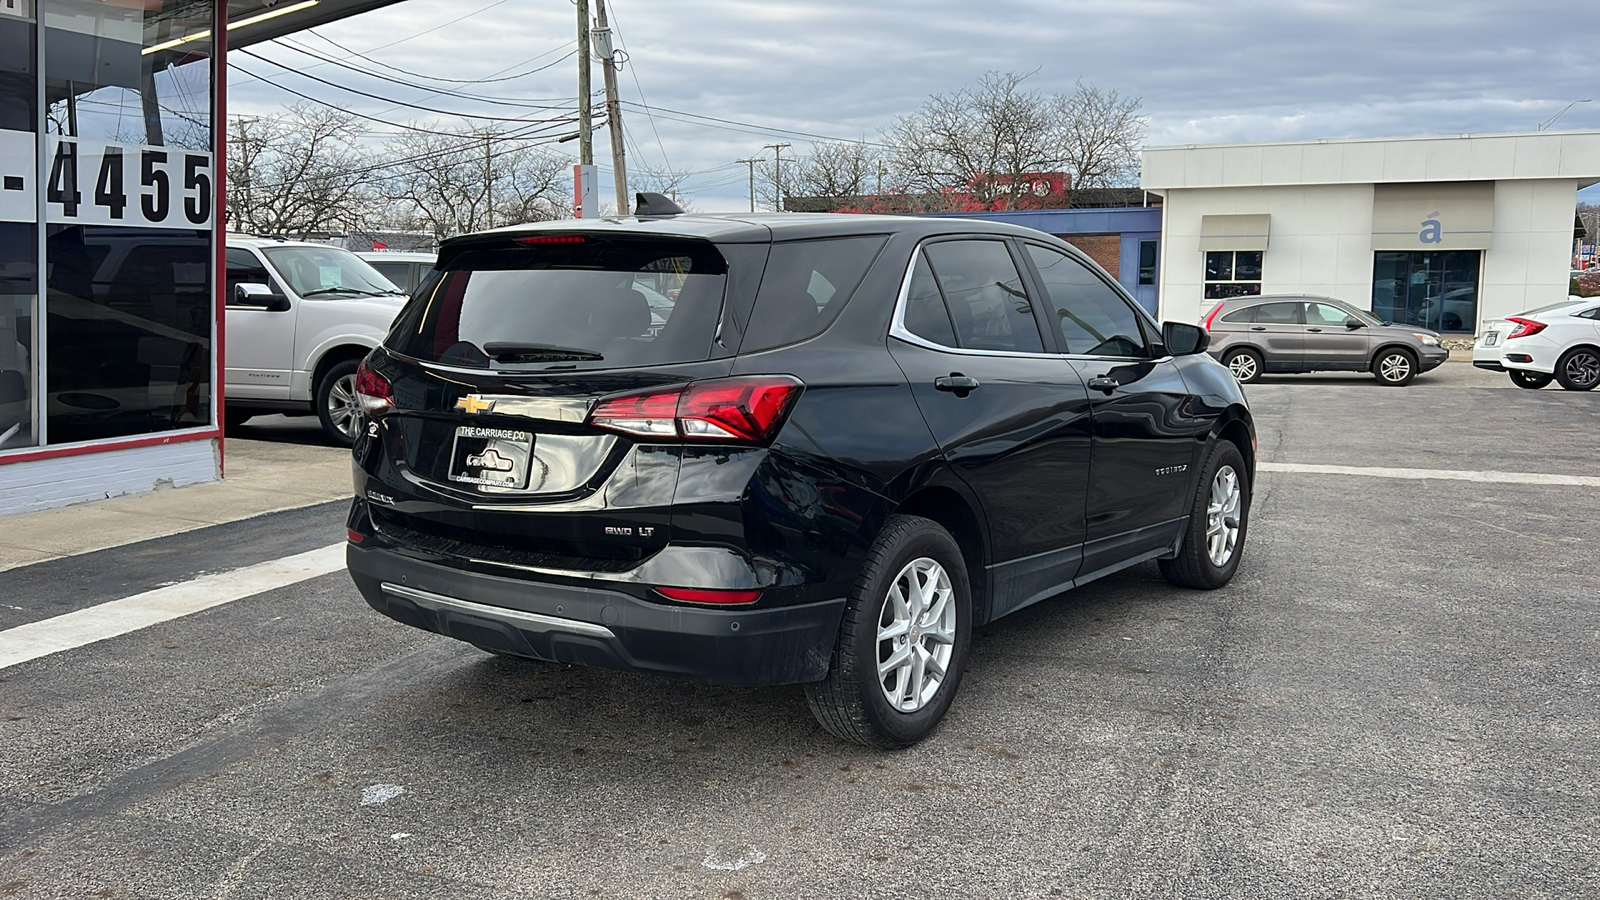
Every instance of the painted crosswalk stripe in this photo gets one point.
(107, 620)
(1485, 477)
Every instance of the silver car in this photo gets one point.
(1253, 336)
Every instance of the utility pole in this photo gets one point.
(752, 164)
(608, 62)
(488, 183)
(777, 169)
(585, 128)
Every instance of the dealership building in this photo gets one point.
(111, 197)
(1441, 231)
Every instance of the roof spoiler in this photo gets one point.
(649, 203)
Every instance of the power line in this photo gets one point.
(526, 103)
(333, 84)
(485, 80)
(634, 71)
(763, 129)
(414, 36)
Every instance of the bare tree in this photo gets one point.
(1099, 134)
(841, 171)
(450, 184)
(977, 142)
(296, 172)
(978, 146)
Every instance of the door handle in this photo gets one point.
(956, 382)
(1105, 383)
(1314, 330)
(1258, 328)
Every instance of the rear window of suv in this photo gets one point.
(567, 301)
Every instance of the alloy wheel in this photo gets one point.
(1243, 366)
(343, 407)
(1395, 367)
(1222, 516)
(1583, 369)
(916, 635)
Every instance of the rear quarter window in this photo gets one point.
(1241, 316)
(805, 286)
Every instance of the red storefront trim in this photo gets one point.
(219, 231)
(108, 446)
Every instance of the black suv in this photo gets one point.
(782, 448)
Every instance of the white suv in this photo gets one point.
(300, 318)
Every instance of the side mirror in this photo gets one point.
(259, 296)
(1183, 339)
(1353, 323)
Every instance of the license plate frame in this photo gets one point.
(1491, 338)
(490, 457)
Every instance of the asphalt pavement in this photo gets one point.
(1394, 698)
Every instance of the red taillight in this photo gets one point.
(1525, 327)
(551, 239)
(373, 390)
(744, 410)
(1210, 316)
(703, 595)
(355, 536)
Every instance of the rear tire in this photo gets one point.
(1394, 367)
(1530, 380)
(335, 400)
(904, 640)
(1219, 519)
(1245, 365)
(1578, 369)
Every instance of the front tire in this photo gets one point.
(1245, 365)
(1219, 518)
(335, 400)
(1578, 369)
(1394, 368)
(903, 644)
(1530, 380)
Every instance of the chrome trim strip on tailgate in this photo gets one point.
(545, 623)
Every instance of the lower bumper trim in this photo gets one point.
(524, 620)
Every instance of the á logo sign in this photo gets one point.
(1432, 231)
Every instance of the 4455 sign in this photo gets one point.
(103, 183)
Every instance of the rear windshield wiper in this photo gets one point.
(507, 352)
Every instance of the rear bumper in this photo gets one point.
(598, 626)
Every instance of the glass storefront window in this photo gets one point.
(19, 213)
(127, 176)
(1233, 273)
(1435, 289)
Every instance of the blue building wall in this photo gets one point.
(1134, 224)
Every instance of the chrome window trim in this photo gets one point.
(898, 330)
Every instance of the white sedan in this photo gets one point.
(1560, 342)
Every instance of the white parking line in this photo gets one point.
(85, 626)
(1444, 474)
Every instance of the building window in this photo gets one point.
(1147, 263)
(1435, 289)
(1233, 273)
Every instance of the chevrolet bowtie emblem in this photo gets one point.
(473, 403)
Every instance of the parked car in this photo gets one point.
(300, 317)
(1559, 342)
(1253, 336)
(403, 267)
(854, 440)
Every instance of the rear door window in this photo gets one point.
(805, 286)
(983, 291)
(1278, 314)
(567, 301)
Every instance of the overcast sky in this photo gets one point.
(1206, 72)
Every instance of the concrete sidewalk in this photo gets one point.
(262, 477)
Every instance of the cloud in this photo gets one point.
(1207, 72)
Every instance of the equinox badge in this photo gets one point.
(473, 403)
